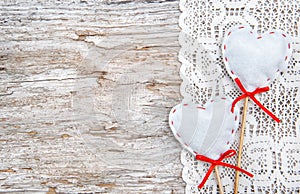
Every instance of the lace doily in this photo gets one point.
(271, 150)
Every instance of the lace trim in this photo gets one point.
(271, 150)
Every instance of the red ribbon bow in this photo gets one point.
(252, 96)
(214, 163)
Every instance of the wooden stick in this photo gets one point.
(237, 173)
(219, 180)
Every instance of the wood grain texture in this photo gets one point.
(86, 88)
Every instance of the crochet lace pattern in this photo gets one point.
(271, 150)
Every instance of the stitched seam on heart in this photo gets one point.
(171, 123)
(176, 133)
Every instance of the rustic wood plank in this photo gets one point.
(85, 92)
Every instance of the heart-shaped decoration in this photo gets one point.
(255, 59)
(206, 130)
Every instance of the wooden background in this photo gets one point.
(86, 88)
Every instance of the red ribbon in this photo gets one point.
(214, 163)
(252, 96)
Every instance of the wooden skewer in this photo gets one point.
(237, 173)
(219, 180)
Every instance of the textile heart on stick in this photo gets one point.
(207, 130)
(253, 60)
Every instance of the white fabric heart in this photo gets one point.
(255, 59)
(206, 130)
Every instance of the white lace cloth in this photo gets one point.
(271, 150)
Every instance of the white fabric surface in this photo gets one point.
(255, 59)
(205, 129)
(271, 150)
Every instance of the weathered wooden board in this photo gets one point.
(86, 87)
